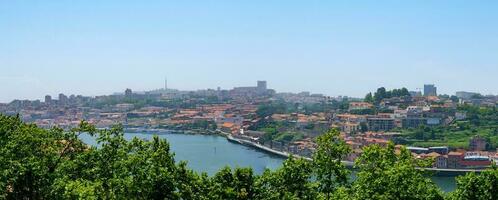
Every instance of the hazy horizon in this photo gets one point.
(334, 48)
(55, 95)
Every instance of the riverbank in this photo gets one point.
(261, 147)
(436, 171)
(173, 131)
(210, 153)
(349, 164)
(273, 151)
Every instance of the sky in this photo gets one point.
(331, 47)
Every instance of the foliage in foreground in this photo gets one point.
(54, 164)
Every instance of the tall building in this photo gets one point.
(262, 85)
(62, 99)
(430, 90)
(48, 99)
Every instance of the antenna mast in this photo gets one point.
(165, 83)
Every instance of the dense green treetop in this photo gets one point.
(384, 174)
(330, 172)
(382, 93)
(477, 186)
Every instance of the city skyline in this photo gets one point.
(421, 91)
(334, 48)
(224, 99)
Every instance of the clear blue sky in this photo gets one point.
(331, 47)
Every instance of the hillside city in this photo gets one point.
(458, 131)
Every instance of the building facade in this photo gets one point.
(380, 124)
(430, 90)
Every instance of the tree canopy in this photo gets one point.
(382, 93)
(53, 163)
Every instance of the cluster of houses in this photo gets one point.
(475, 158)
(456, 159)
(361, 124)
(406, 112)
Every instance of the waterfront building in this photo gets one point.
(237, 120)
(253, 134)
(454, 159)
(418, 150)
(441, 161)
(440, 150)
(475, 161)
(228, 127)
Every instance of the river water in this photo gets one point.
(209, 153)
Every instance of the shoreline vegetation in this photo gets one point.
(38, 163)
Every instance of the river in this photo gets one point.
(209, 153)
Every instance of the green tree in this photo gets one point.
(330, 171)
(291, 181)
(190, 185)
(272, 108)
(380, 94)
(232, 184)
(474, 186)
(369, 98)
(40, 163)
(119, 168)
(30, 157)
(383, 174)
